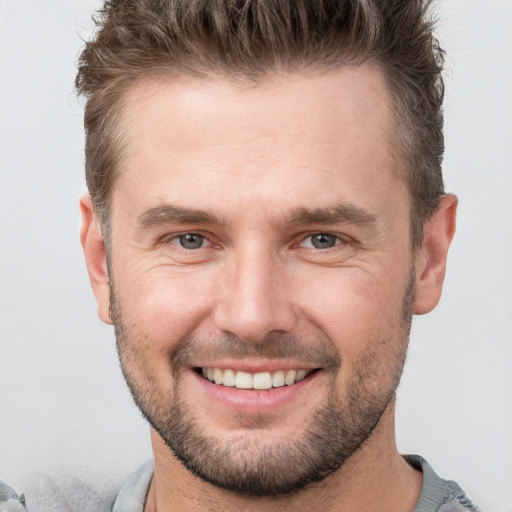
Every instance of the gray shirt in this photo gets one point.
(437, 495)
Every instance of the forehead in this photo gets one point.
(353, 97)
(277, 137)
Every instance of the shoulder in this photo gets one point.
(438, 495)
(133, 492)
(9, 500)
(65, 494)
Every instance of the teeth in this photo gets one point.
(290, 377)
(262, 380)
(243, 380)
(218, 376)
(229, 378)
(301, 374)
(278, 379)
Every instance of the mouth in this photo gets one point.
(256, 381)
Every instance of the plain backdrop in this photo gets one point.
(63, 402)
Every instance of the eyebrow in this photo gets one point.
(343, 213)
(169, 213)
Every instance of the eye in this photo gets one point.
(321, 241)
(191, 241)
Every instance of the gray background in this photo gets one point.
(63, 403)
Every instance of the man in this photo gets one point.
(266, 213)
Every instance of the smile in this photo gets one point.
(261, 380)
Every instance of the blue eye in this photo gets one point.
(191, 241)
(323, 241)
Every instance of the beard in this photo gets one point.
(249, 462)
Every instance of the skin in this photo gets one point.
(250, 157)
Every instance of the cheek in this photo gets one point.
(357, 310)
(162, 303)
(349, 297)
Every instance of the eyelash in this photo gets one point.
(174, 240)
(337, 240)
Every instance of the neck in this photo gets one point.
(375, 474)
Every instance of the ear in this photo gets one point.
(95, 257)
(431, 257)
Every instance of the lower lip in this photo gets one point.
(256, 401)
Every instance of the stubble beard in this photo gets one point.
(249, 464)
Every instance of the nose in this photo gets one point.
(254, 297)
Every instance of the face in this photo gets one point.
(262, 272)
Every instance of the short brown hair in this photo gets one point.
(250, 39)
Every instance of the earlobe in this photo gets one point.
(93, 246)
(431, 257)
